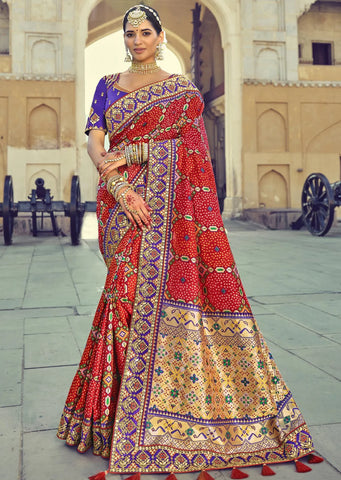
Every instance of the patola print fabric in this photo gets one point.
(175, 375)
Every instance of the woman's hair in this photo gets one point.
(151, 14)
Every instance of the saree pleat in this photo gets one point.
(176, 375)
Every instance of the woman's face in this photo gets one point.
(142, 41)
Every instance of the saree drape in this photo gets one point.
(175, 375)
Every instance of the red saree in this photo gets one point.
(175, 375)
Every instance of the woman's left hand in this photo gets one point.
(136, 208)
(108, 165)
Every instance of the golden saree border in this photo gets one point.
(152, 430)
(118, 224)
(126, 109)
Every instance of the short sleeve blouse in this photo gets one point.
(96, 119)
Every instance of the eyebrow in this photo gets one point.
(143, 30)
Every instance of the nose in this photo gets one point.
(137, 38)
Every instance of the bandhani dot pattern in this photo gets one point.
(175, 375)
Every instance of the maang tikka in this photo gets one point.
(136, 17)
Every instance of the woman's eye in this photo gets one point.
(146, 34)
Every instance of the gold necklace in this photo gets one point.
(143, 68)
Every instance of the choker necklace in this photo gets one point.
(143, 67)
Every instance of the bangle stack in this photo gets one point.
(136, 153)
(115, 184)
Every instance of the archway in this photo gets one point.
(226, 13)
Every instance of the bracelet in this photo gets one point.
(113, 180)
(128, 187)
(136, 153)
(116, 159)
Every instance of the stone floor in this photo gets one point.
(48, 295)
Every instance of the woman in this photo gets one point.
(175, 375)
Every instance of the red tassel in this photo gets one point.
(171, 476)
(238, 473)
(99, 476)
(267, 471)
(135, 476)
(315, 458)
(204, 476)
(301, 468)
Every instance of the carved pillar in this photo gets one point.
(215, 111)
(196, 48)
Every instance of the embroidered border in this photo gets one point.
(152, 268)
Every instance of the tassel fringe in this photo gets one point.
(301, 467)
(135, 476)
(99, 476)
(204, 476)
(267, 471)
(236, 474)
(171, 476)
(315, 458)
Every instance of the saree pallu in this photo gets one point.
(176, 375)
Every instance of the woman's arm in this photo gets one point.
(98, 155)
(136, 209)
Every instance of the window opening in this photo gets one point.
(322, 53)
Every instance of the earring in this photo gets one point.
(128, 57)
(159, 52)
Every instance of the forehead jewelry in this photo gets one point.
(136, 17)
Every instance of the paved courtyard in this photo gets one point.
(48, 294)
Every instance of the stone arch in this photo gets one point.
(227, 14)
(43, 57)
(271, 132)
(273, 190)
(268, 64)
(326, 141)
(43, 128)
(4, 28)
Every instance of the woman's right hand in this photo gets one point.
(136, 209)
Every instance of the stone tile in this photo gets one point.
(16, 258)
(45, 350)
(86, 309)
(335, 338)
(48, 458)
(316, 393)
(11, 362)
(12, 284)
(288, 334)
(45, 391)
(327, 442)
(333, 306)
(11, 333)
(10, 443)
(55, 289)
(81, 326)
(88, 294)
(10, 304)
(36, 325)
(309, 317)
(324, 358)
(47, 312)
(307, 299)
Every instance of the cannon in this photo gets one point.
(318, 201)
(41, 202)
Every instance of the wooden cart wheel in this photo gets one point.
(318, 204)
(76, 213)
(7, 210)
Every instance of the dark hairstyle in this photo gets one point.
(151, 14)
